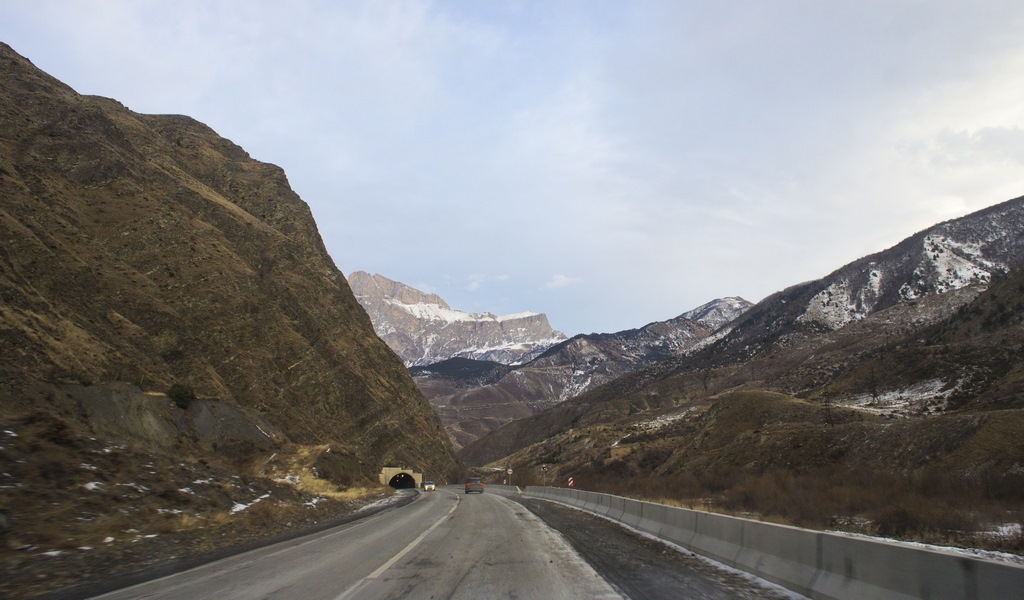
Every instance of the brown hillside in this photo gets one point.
(149, 250)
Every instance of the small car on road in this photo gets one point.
(429, 486)
(474, 484)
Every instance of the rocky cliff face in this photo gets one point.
(149, 249)
(422, 329)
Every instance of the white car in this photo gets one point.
(429, 486)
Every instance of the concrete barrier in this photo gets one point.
(653, 518)
(813, 563)
(632, 511)
(784, 555)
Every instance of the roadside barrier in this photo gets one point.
(816, 564)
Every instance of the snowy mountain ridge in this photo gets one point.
(949, 256)
(438, 312)
(423, 329)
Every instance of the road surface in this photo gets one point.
(443, 545)
(450, 545)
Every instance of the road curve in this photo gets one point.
(443, 545)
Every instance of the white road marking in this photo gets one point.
(350, 592)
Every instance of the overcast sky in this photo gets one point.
(609, 164)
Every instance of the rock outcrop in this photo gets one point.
(422, 329)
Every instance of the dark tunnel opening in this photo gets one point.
(402, 481)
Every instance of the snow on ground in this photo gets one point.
(239, 506)
(920, 397)
(663, 420)
(972, 552)
(436, 312)
(384, 502)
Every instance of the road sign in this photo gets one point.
(570, 482)
(509, 471)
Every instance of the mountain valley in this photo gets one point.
(184, 369)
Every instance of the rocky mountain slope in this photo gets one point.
(148, 250)
(887, 397)
(474, 401)
(799, 340)
(422, 329)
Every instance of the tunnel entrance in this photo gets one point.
(402, 481)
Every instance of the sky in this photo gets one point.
(607, 163)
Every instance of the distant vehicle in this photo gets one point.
(429, 486)
(474, 484)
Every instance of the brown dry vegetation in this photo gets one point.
(949, 479)
(79, 509)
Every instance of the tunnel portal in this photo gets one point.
(402, 481)
(401, 478)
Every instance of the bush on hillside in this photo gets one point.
(181, 395)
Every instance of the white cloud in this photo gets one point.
(561, 281)
(664, 153)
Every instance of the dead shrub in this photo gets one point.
(895, 522)
(264, 514)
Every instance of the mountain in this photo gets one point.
(885, 398)
(422, 329)
(950, 256)
(473, 401)
(809, 337)
(170, 315)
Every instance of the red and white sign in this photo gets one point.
(570, 482)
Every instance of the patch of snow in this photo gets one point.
(108, 539)
(662, 421)
(289, 478)
(953, 264)
(838, 304)
(898, 402)
(974, 552)
(92, 486)
(515, 316)
(436, 312)
(138, 487)
(53, 553)
(239, 507)
(10, 433)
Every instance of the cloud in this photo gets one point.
(561, 281)
(664, 153)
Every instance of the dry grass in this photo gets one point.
(925, 507)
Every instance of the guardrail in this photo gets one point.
(813, 563)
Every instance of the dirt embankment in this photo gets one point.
(100, 481)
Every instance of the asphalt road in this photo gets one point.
(451, 545)
(446, 544)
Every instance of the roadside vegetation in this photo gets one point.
(925, 507)
(75, 508)
(951, 479)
